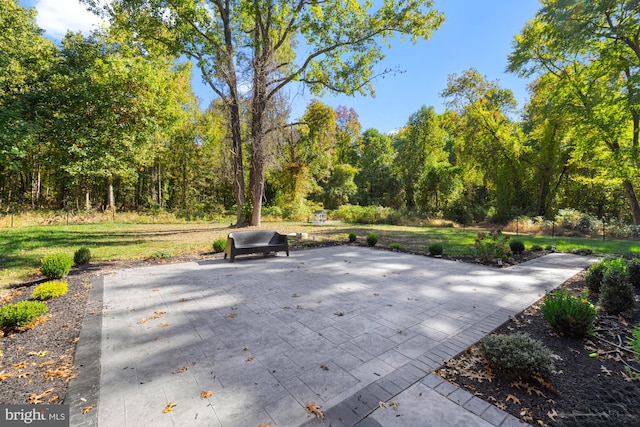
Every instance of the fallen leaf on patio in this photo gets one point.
(313, 409)
(249, 359)
(141, 321)
(381, 404)
(206, 394)
(394, 404)
(324, 367)
(513, 399)
(36, 399)
(157, 314)
(169, 407)
(180, 370)
(87, 409)
(4, 375)
(265, 425)
(230, 315)
(163, 325)
(20, 365)
(339, 313)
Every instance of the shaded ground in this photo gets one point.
(37, 364)
(583, 390)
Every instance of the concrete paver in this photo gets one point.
(342, 327)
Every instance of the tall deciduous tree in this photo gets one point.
(26, 59)
(254, 44)
(593, 48)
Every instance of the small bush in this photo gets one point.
(517, 246)
(49, 290)
(352, 237)
(21, 313)
(82, 256)
(548, 248)
(616, 293)
(394, 245)
(372, 239)
(569, 315)
(536, 248)
(56, 266)
(633, 268)
(160, 255)
(517, 354)
(491, 246)
(436, 249)
(219, 245)
(594, 275)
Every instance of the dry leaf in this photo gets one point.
(180, 370)
(394, 404)
(206, 394)
(230, 315)
(381, 404)
(265, 425)
(313, 409)
(249, 359)
(513, 399)
(169, 407)
(36, 399)
(324, 367)
(552, 414)
(163, 325)
(4, 375)
(157, 314)
(604, 370)
(87, 409)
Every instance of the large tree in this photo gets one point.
(264, 46)
(593, 49)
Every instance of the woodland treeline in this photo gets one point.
(109, 120)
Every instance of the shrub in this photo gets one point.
(82, 256)
(616, 293)
(160, 255)
(394, 245)
(436, 249)
(569, 315)
(594, 275)
(517, 354)
(491, 246)
(50, 290)
(21, 313)
(536, 248)
(372, 239)
(352, 237)
(516, 246)
(633, 268)
(219, 244)
(55, 266)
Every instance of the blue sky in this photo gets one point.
(476, 34)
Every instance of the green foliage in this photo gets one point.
(55, 266)
(372, 239)
(536, 248)
(595, 274)
(616, 293)
(161, 255)
(516, 246)
(49, 290)
(569, 315)
(366, 214)
(436, 249)
(219, 245)
(635, 341)
(352, 237)
(633, 268)
(82, 256)
(21, 313)
(517, 354)
(489, 247)
(394, 245)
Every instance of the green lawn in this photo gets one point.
(24, 247)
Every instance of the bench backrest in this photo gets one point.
(256, 237)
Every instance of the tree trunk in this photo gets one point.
(632, 199)
(87, 200)
(112, 201)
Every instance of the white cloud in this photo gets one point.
(56, 17)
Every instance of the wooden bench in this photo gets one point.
(255, 241)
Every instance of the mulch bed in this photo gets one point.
(37, 364)
(582, 391)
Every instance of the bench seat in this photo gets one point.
(255, 241)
